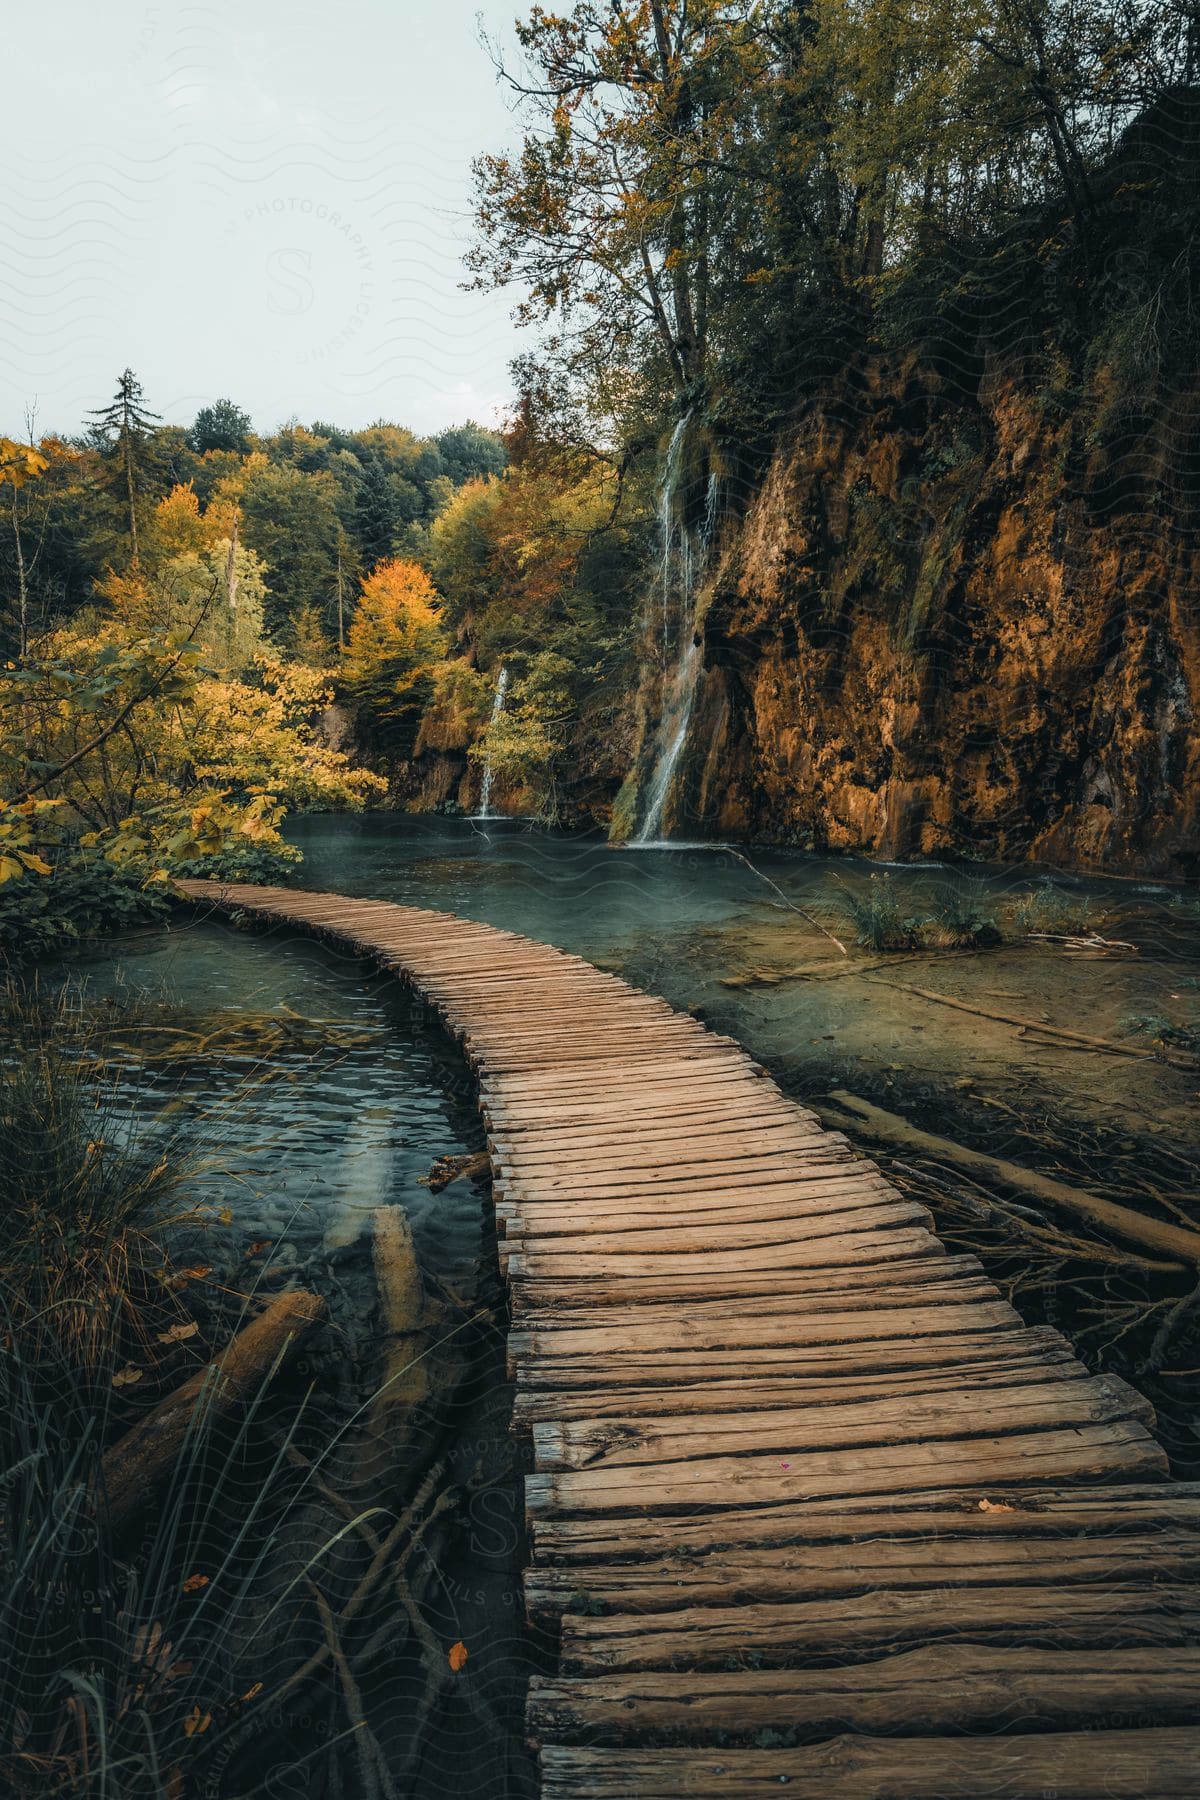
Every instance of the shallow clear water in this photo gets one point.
(306, 1140)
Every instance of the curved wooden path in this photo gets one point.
(810, 1506)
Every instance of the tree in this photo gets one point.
(395, 638)
(290, 519)
(20, 463)
(470, 451)
(124, 425)
(616, 207)
(221, 426)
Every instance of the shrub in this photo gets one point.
(877, 915)
(961, 918)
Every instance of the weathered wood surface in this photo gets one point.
(809, 1505)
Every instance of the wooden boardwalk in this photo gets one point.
(810, 1506)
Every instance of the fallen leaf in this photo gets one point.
(127, 1377)
(257, 1249)
(196, 1722)
(995, 1506)
(457, 1657)
(226, 1215)
(178, 1333)
(251, 1691)
(194, 1583)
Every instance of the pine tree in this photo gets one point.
(125, 424)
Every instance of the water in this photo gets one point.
(301, 1137)
(485, 792)
(684, 552)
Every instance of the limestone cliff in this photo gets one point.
(965, 625)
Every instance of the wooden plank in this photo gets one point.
(960, 1687)
(826, 1361)
(963, 1291)
(809, 1572)
(583, 1217)
(532, 1294)
(1090, 1453)
(706, 1637)
(677, 1329)
(999, 1511)
(841, 1250)
(695, 1234)
(1101, 1765)
(625, 1443)
(553, 1405)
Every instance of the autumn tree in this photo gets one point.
(615, 214)
(20, 464)
(395, 637)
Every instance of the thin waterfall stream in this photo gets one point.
(485, 791)
(685, 548)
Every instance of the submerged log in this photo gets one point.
(137, 1465)
(1175, 1242)
(419, 1366)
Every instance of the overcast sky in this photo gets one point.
(267, 200)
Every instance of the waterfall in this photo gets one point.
(684, 551)
(485, 791)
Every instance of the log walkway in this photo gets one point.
(810, 1506)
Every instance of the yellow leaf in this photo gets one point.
(457, 1657)
(194, 1583)
(178, 1333)
(196, 1722)
(126, 1377)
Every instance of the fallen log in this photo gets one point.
(137, 1465)
(1059, 1033)
(1175, 1242)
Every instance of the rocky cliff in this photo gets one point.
(961, 624)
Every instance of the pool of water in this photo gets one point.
(307, 1092)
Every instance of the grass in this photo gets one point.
(878, 918)
(134, 1660)
(1055, 911)
(959, 918)
(1165, 1032)
(81, 1257)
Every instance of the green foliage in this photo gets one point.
(221, 426)
(1167, 1034)
(961, 916)
(266, 865)
(878, 916)
(525, 742)
(1055, 911)
(78, 902)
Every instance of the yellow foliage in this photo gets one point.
(396, 621)
(20, 463)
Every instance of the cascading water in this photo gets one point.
(485, 791)
(684, 550)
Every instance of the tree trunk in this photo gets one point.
(136, 1466)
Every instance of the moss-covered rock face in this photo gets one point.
(952, 626)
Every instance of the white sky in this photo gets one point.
(267, 201)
